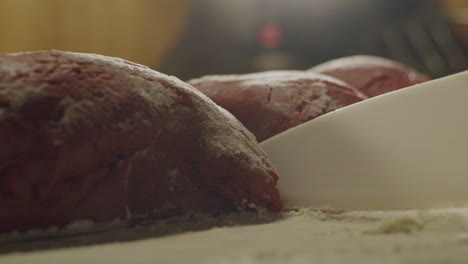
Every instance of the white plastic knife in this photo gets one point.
(407, 149)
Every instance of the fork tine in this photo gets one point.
(426, 48)
(398, 49)
(448, 45)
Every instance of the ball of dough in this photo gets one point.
(85, 136)
(371, 75)
(268, 103)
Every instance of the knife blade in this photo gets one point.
(407, 149)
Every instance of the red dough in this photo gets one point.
(270, 102)
(372, 75)
(86, 136)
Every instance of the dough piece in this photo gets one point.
(372, 75)
(268, 103)
(85, 136)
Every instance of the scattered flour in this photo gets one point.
(297, 236)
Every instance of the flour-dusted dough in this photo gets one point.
(370, 74)
(268, 103)
(85, 136)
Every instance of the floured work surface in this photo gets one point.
(297, 236)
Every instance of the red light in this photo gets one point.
(270, 36)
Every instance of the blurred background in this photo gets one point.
(192, 38)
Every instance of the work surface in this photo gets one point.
(297, 236)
